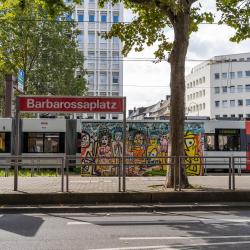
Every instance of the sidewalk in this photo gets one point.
(79, 184)
(99, 194)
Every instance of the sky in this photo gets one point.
(146, 83)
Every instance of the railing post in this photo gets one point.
(67, 172)
(174, 164)
(119, 174)
(233, 170)
(230, 173)
(180, 172)
(62, 174)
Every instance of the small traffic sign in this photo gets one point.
(20, 80)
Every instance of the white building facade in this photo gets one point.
(103, 58)
(220, 87)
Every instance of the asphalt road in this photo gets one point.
(173, 230)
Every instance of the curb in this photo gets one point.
(34, 199)
(123, 208)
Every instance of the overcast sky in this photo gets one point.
(146, 83)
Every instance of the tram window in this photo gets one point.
(209, 142)
(5, 142)
(51, 143)
(43, 142)
(229, 142)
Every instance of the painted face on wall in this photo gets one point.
(85, 140)
(118, 136)
(190, 144)
(138, 139)
(104, 140)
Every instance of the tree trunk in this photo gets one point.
(177, 103)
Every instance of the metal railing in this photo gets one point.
(121, 166)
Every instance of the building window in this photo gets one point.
(203, 79)
(240, 102)
(224, 75)
(116, 40)
(217, 104)
(232, 75)
(225, 116)
(80, 17)
(91, 17)
(224, 103)
(217, 90)
(115, 57)
(232, 89)
(247, 102)
(204, 105)
(247, 88)
(241, 59)
(240, 115)
(91, 76)
(103, 17)
(239, 74)
(232, 116)
(224, 89)
(115, 18)
(80, 38)
(247, 115)
(91, 56)
(115, 77)
(103, 57)
(232, 103)
(204, 92)
(247, 73)
(91, 36)
(103, 78)
(239, 88)
(217, 116)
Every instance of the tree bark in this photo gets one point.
(177, 103)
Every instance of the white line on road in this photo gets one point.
(170, 247)
(78, 223)
(184, 237)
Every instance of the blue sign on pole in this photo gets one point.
(20, 80)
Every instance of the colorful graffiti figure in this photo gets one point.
(163, 151)
(86, 154)
(117, 145)
(194, 166)
(137, 150)
(104, 151)
(152, 150)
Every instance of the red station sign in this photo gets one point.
(70, 104)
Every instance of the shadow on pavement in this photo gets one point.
(25, 225)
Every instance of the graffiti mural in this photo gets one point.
(146, 148)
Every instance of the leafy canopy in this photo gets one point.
(153, 17)
(43, 47)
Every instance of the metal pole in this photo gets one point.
(17, 136)
(62, 174)
(230, 174)
(124, 145)
(67, 172)
(119, 174)
(180, 172)
(233, 173)
(174, 162)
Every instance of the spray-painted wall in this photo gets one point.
(144, 139)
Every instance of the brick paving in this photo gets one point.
(111, 184)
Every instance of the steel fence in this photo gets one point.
(120, 165)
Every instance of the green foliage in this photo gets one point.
(154, 17)
(152, 20)
(236, 14)
(46, 49)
